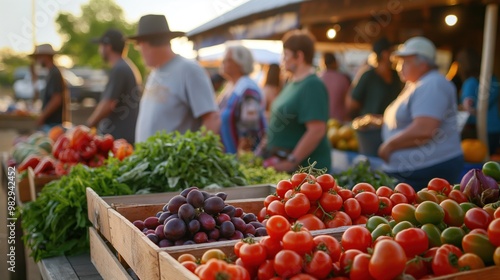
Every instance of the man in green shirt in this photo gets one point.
(296, 134)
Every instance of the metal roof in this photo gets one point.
(247, 9)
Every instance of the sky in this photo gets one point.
(16, 17)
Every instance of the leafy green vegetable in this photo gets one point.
(174, 161)
(256, 174)
(57, 223)
(362, 172)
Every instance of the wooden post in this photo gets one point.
(489, 37)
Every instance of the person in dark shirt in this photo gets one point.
(117, 110)
(377, 87)
(55, 93)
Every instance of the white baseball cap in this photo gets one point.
(417, 45)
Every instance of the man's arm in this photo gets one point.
(103, 109)
(211, 121)
(419, 132)
(54, 103)
(315, 131)
(353, 106)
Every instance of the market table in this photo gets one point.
(21, 123)
(68, 268)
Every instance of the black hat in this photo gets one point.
(381, 45)
(154, 26)
(111, 37)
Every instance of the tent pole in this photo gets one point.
(489, 38)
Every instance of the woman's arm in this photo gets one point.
(419, 132)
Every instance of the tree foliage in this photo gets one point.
(9, 61)
(96, 17)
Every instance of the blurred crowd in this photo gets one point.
(284, 118)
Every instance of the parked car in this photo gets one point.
(82, 83)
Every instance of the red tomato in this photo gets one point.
(356, 237)
(417, 267)
(388, 260)
(346, 259)
(262, 214)
(362, 187)
(270, 198)
(237, 247)
(413, 240)
(266, 270)
(244, 271)
(496, 215)
(319, 265)
(359, 268)
(440, 185)
(477, 218)
(361, 220)
(479, 244)
(330, 201)
(443, 262)
(469, 261)
(190, 265)
(384, 206)
(299, 178)
(253, 254)
(368, 201)
(458, 196)
(404, 212)
(327, 182)
(277, 226)
(406, 190)
(272, 246)
(299, 240)
(297, 205)
(398, 198)
(384, 191)
(329, 245)
(423, 195)
(215, 269)
(453, 213)
(380, 238)
(313, 191)
(352, 208)
(303, 276)
(287, 263)
(345, 194)
(276, 208)
(338, 219)
(282, 187)
(311, 222)
(494, 232)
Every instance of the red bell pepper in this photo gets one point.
(96, 161)
(46, 165)
(69, 155)
(88, 151)
(31, 161)
(106, 144)
(61, 144)
(446, 260)
(122, 149)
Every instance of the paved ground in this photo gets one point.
(79, 115)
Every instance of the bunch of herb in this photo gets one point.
(175, 161)
(57, 222)
(363, 173)
(256, 173)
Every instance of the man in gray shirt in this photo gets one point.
(118, 108)
(178, 95)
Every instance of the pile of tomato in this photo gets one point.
(320, 203)
(78, 145)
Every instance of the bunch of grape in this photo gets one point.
(196, 216)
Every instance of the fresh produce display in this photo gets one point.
(474, 150)
(318, 202)
(56, 223)
(37, 144)
(342, 136)
(172, 162)
(480, 188)
(362, 172)
(255, 173)
(195, 216)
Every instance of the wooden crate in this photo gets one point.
(29, 187)
(487, 273)
(112, 217)
(98, 206)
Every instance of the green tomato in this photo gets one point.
(434, 235)
(374, 221)
(429, 212)
(382, 229)
(466, 206)
(479, 244)
(492, 169)
(453, 236)
(401, 226)
(453, 213)
(392, 223)
(456, 187)
(404, 212)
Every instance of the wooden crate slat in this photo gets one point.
(172, 269)
(98, 213)
(103, 258)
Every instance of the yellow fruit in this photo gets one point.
(333, 135)
(334, 123)
(353, 144)
(346, 132)
(342, 145)
(474, 150)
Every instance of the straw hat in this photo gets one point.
(151, 26)
(44, 49)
